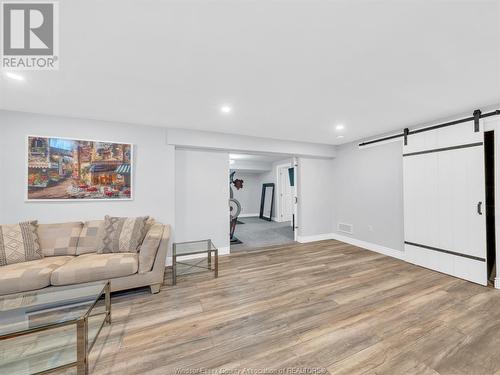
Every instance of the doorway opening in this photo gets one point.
(489, 162)
(262, 200)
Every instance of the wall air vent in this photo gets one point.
(345, 228)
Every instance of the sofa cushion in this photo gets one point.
(121, 234)
(149, 247)
(87, 242)
(94, 267)
(19, 243)
(35, 274)
(59, 239)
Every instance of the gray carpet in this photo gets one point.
(256, 233)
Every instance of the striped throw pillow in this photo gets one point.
(121, 234)
(19, 243)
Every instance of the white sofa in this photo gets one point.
(69, 258)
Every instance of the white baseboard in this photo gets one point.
(369, 246)
(224, 250)
(353, 241)
(274, 218)
(314, 238)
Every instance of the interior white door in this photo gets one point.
(444, 201)
(286, 195)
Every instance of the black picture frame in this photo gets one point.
(263, 200)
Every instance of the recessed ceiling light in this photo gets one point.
(225, 109)
(339, 127)
(340, 136)
(14, 76)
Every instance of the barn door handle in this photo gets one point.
(479, 211)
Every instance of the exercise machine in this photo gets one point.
(234, 207)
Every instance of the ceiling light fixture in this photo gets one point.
(340, 127)
(14, 76)
(225, 109)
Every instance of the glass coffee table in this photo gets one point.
(183, 249)
(52, 329)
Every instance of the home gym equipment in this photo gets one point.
(234, 207)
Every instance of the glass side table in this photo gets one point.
(182, 249)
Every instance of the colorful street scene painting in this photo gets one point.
(61, 168)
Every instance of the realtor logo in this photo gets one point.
(30, 35)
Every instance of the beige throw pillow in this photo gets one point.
(19, 243)
(121, 234)
(88, 240)
(59, 239)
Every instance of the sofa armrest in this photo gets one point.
(161, 255)
(154, 245)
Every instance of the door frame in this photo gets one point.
(295, 205)
(279, 187)
(493, 124)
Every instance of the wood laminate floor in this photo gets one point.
(325, 306)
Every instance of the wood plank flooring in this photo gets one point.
(326, 306)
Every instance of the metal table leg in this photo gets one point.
(216, 263)
(82, 366)
(174, 269)
(107, 300)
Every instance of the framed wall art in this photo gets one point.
(75, 169)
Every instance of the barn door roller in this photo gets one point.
(477, 116)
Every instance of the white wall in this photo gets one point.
(315, 199)
(153, 182)
(189, 193)
(249, 196)
(367, 192)
(201, 197)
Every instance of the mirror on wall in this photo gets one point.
(267, 201)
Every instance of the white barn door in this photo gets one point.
(444, 201)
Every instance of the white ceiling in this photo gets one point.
(289, 70)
